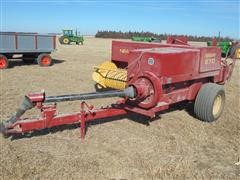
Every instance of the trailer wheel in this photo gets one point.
(44, 60)
(3, 62)
(209, 102)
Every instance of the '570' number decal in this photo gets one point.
(210, 58)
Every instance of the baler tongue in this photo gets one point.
(26, 105)
(30, 101)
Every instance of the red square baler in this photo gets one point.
(153, 76)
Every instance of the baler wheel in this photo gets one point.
(3, 62)
(44, 60)
(210, 101)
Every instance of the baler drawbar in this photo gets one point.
(39, 99)
(158, 75)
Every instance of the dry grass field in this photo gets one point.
(173, 146)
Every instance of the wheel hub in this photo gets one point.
(66, 41)
(45, 61)
(217, 105)
(3, 63)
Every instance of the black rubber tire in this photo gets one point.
(39, 60)
(203, 107)
(60, 39)
(99, 88)
(6, 61)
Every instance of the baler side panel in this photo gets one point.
(121, 51)
(210, 59)
(171, 67)
(178, 64)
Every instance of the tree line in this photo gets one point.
(130, 34)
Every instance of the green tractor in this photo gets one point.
(68, 37)
(145, 39)
(223, 45)
(228, 48)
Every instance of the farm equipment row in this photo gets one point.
(145, 39)
(154, 77)
(32, 47)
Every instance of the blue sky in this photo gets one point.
(200, 17)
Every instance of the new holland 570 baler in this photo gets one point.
(157, 76)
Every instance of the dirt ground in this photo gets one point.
(173, 146)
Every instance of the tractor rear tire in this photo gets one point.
(209, 103)
(3, 62)
(44, 60)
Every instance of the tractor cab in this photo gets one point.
(68, 32)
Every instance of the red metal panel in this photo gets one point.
(182, 94)
(168, 63)
(121, 51)
(210, 59)
(179, 40)
(49, 120)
